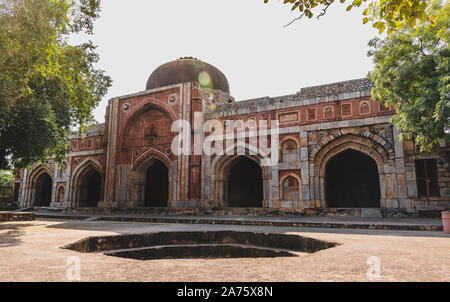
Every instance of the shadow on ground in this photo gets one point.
(10, 233)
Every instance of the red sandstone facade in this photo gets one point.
(336, 149)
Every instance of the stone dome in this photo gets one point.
(188, 69)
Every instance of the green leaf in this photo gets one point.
(47, 85)
(411, 22)
(411, 74)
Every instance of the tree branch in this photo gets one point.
(324, 10)
(298, 18)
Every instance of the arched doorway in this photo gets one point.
(157, 185)
(352, 181)
(245, 183)
(89, 192)
(43, 190)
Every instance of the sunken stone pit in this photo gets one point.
(208, 244)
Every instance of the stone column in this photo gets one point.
(305, 200)
(274, 200)
(403, 200)
(111, 154)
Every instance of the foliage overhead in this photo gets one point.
(384, 14)
(412, 74)
(47, 86)
(5, 178)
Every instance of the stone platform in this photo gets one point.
(347, 222)
(16, 216)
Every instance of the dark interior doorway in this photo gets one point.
(90, 189)
(43, 191)
(16, 192)
(352, 181)
(245, 184)
(157, 185)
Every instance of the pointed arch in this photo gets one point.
(34, 188)
(365, 145)
(147, 103)
(43, 190)
(362, 144)
(287, 195)
(87, 184)
(141, 107)
(38, 170)
(242, 149)
(150, 165)
(223, 165)
(89, 162)
(152, 153)
(352, 180)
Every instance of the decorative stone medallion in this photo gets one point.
(126, 107)
(173, 99)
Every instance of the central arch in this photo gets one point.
(156, 185)
(225, 166)
(352, 181)
(240, 182)
(245, 183)
(43, 190)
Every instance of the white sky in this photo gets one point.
(245, 39)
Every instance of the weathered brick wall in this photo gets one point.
(322, 121)
(441, 154)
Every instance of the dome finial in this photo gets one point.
(188, 58)
(188, 69)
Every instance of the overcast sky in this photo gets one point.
(245, 39)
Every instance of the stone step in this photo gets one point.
(231, 250)
(250, 246)
(16, 216)
(406, 224)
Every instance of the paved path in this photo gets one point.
(31, 251)
(418, 224)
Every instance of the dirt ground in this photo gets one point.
(31, 251)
